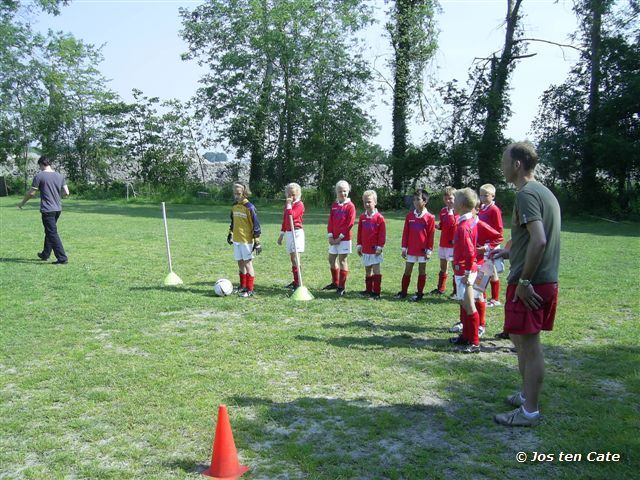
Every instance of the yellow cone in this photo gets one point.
(172, 280)
(302, 294)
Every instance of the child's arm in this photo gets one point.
(405, 236)
(431, 229)
(230, 235)
(382, 236)
(359, 238)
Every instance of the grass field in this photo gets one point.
(106, 374)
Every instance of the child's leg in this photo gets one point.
(454, 279)
(495, 286)
(294, 269)
(344, 270)
(368, 272)
(335, 270)
(422, 277)
(406, 278)
(242, 272)
(251, 274)
(470, 326)
(377, 279)
(442, 276)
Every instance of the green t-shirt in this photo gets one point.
(534, 202)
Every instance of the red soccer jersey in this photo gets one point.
(464, 245)
(341, 219)
(297, 210)
(448, 221)
(486, 234)
(372, 232)
(418, 233)
(492, 215)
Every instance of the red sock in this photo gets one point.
(422, 279)
(343, 278)
(474, 322)
(296, 278)
(495, 290)
(369, 283)
(442, 281)
(243, 280)
(335, 276)
(377, 284)
(406, 279)
(481, 306)
(250, 280)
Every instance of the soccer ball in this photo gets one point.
(223, 287)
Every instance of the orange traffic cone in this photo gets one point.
(224, 460)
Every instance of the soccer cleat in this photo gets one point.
(60, 262)
(400, 296)
(365, 293)
(470, 349)
(480, 331)
(331, 286)
(435, 291)
(340, 292)
(42, 257)
(246, 294)
(374, 296)
(417, 297)
(502, 336)
(453, 296)
(456, 328)
(516, 418)
(459, 340)
(292, 286)
(493, 303)
(516, 399)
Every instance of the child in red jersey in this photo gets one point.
(465, 270)
(491, 214)
(417, 244)
(293, 208)
(371, 238)
(341, 220)
(447, 227)
(487, 240)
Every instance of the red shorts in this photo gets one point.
(519, 320)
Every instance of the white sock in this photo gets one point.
(530, 414)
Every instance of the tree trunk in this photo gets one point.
(400, 95)
(256, 170)
(489, 149)
(588, 166)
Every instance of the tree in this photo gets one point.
(413, 36)
(495, 99)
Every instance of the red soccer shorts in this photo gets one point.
(519, 320)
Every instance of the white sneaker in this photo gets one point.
(493, 303)
(456, 328)
(480, 331)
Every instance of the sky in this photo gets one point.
(142, 48)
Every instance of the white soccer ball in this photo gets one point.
(223, 287)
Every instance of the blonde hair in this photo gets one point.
(487, 187)
(293, 187)
(245, 189)
(370, 193)
(343, 183)
(448, 191)
(467, 197)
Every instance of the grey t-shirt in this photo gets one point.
(534, 202)
(50, 185)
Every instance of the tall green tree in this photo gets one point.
(413, 34)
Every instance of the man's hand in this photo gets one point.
(257, 247)
(280, 239)
(230, 238)
(529, 297)
(499, 253)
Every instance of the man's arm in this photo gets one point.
(65, 190)
(533, 257)
(28, 196)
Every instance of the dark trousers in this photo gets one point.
(51, 238)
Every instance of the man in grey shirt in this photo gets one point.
(51, 185)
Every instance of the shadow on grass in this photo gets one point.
(371, 326)
(178, 289)
(601, 228)
(381, 342)
(188, 466)
(25, 260)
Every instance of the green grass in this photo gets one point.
(105, 373)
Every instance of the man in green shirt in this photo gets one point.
(532, 294)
